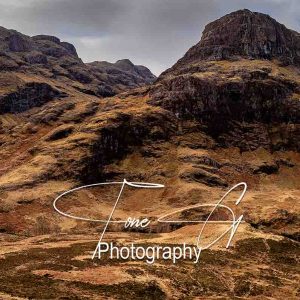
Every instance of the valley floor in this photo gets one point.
(60, 266)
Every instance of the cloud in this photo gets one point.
(72, 17)
(155, 33)
(284, 11)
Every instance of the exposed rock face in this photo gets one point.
(18, 43)
(139, 74)
(13, 41)
(30, 95)
(246, 34)
(122, 74)
(248, 97)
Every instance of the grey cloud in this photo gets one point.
(285, 11)
(155, 33)
(73, 17)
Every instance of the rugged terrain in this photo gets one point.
(49, 58)
(228, 111)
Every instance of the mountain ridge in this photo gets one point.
(47, 56)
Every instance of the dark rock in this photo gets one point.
(119, 138)
(124, 64)
(30, 95)
(35, 57)
(81, 74)
(71, 49)
(53, 50)
(121, 75)
(18, 43)
(266, 168)
(215, 101)
(7, 64)
(43, 37)
(282, 222)
(105, 91)
(285, 162)
(202, 160)
(203, 176)
(60, 133)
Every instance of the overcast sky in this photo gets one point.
(155, 33)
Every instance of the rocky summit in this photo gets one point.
(246, 34)
(227, 112)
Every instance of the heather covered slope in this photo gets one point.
(120, 139)
(206, 124)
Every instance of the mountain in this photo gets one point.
(245, 34)
(229, 84)
(227, 112)
(49, 58)
(121, 75)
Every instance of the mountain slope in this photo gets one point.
(229, 93)
(206, 124)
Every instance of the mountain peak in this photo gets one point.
(124, 61)
(48, 56)
(246, 34)
(125, 64)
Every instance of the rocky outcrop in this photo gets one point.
(246, 98)
(123, 73)
(246, 34)
(18, 43)
(199, 174)
(30, 95)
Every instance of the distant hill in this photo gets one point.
(47, 56)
